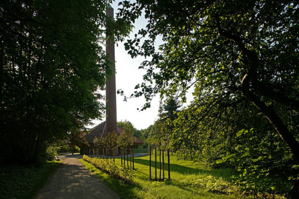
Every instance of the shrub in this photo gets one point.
(108, 166)
(66, 148)
(24, 181)
(51, 152)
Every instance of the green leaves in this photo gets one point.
(234, 54)
(52, 62)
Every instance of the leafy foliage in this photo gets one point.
(24, 181)
(52, 62)
(169, 109)
(110, 167)
(126, 138)
(241, 57)
(137, 133)
(247, 144)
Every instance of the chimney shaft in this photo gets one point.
(111, 120)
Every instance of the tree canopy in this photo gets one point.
(231, 51)
(241, 56)
(52, 62)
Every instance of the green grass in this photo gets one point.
(24, 181)
(188, 180)
(141, 150)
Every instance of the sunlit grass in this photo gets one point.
(188, 180)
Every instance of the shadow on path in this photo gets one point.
(72, 180)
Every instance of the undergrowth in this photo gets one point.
(24, 181)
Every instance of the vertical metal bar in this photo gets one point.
(160, 163)
(155, 163)
(163, 163)
(150, 163)
(121, 156)
(133, 159)
(128, 159)
(168, 164)
(124, 158)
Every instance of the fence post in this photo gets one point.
(130, 155)
(133, 159)
(113, 155)
(124, 158)
(163, 163)
(128, 159)
(155, 163)
(160, 163)
(150, 163)
(168, 164)
(121, 156)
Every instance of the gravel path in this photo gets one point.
(73, 181)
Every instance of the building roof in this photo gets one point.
(101, 131)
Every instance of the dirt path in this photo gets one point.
(73, 181)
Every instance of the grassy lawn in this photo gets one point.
(188, 180)
(141, 150)
(24, 182)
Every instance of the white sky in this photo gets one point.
(127, 77)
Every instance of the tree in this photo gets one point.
(147, 134)
(169, 109)
(164, 125)
(126, 138)
(78, 139)
(231, 51)
(51, 65)
(136, 133)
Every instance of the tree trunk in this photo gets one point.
(124, 158)
(35, 157)
(150, 163)
(121, 156)
(160, 164)
(168, 164)
(276, 122)
(113, 155)
(294, 192)
(133, 159)
(163, 163)
(128, 159)
(280, 128)
(155, 163)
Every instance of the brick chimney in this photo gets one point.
(111, 120)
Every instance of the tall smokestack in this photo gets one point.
(111, 121)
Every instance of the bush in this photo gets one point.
(68, 149)
(111, 168)
(24, 181)
(51, 152)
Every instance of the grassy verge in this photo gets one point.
(188, 180)
(24, 181)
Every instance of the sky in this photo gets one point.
(127, 77)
